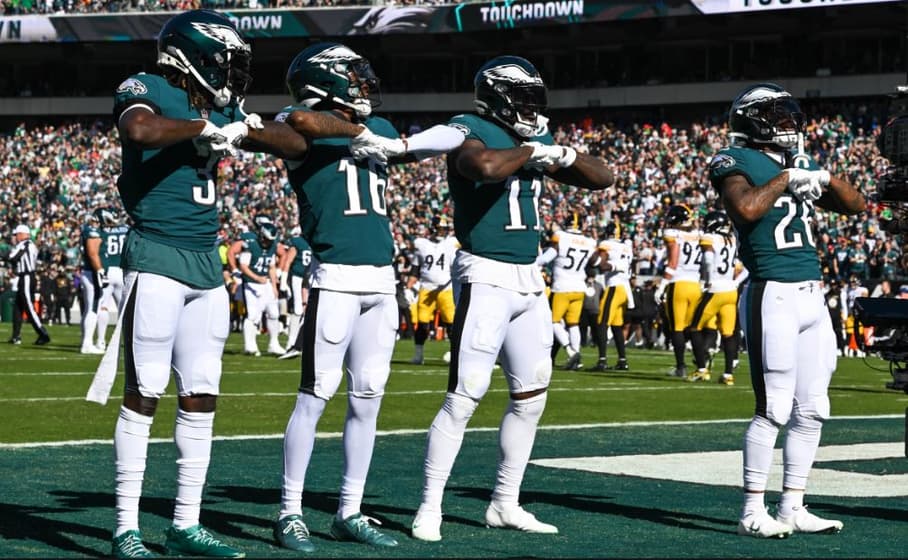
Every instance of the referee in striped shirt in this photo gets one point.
(24, 257)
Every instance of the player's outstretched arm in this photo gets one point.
(745, 203)
(277, 139)
(840, 196)
(586, 172)
(435, 141)
(485, 165)
(144, 128)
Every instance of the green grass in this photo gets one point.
(258, 393)
(58, 500)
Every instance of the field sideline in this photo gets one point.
(629, 464)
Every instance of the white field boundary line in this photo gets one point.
(600, 389)
(411, 431)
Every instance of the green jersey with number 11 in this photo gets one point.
(498, 221)
(780, 245)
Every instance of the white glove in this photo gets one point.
(546, 156)
(660, 292)
(253, 120)
(220, 141)
(806, 185)
(368, 145)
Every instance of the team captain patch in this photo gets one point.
(133, 86)
(722, 161)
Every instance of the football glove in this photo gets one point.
(101, 279)
(807, 185)
(368, 145)
(546, 156)
(660, 292)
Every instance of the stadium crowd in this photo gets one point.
(52, 177)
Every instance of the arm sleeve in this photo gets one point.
(439, 139)
(547, 256)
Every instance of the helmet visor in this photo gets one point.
(239, 72)
(529, 100)
(783, 114)
(364, 84)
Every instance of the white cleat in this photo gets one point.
(426, 526)
(447, 357)
(254, 353)
(277, 350)
(763, 526)
(101, 346)
(91, 350)
(802, 521)
(515, 517)
(290, 353)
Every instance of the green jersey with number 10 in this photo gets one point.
(498, 221)
(780, 245)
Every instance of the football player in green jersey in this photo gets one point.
(351, 316)
(113, 237)
(257, 254)
(770, 191)
(295, 270)
(94, 280)
(174, 129)
(495, 178)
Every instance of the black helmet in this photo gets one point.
(765, 115)
(679, 216)
(510, 90)
(717, 222)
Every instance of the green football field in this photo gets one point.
(631, 464)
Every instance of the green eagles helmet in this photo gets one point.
(105, 217)
(208, 47)
(717, 222)
(765, 115)
(510, 90)
(267, 234)
(333, 73)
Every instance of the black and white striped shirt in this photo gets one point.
(25, 257)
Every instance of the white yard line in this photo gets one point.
(405, 432)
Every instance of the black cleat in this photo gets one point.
(601, 365)
(43, 339)
(620, 366)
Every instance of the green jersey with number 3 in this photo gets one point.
(498, 221)
(170, 192)
(779, 246)
(343, 213)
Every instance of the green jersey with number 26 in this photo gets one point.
(343, 213)
(498, 221)
(780, 246)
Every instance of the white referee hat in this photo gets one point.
(22, 228)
